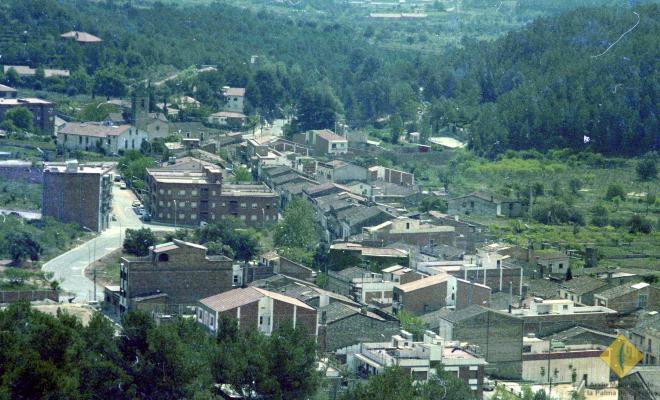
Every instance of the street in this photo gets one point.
(69, 268)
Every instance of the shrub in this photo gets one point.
(639, 224)
(615, 190)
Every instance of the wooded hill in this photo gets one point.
(546, 86)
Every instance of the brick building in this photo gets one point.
(629, 297)
(43, 112)
(342, 325)
(410, 231)
(498, 337)
(380, 173)
(78, 193)
(551, 316)
(189, 197)
(256, 308)
(172, 275)
(435, 292)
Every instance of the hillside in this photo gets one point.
(545, 86)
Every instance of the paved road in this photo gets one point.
(69, 268)
(23, 213)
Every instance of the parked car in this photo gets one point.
(122, 185)
(488, 385)
(145, 217)
(117, 178)
(137, 203)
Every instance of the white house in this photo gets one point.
(96, 136)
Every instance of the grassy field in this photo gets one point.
(19, 195)
(554, 172)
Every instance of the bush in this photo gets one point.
(555, 212)
(613, 191)
(600, 215)
(639, 224)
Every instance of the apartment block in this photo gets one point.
(172, 275)
(190, 197)
(43, 112)
(78, 193)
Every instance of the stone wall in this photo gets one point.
(356, 329)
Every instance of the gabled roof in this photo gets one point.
(352, 273)
(4, 88)
(423, 283)
(583, 284)
(330, 136)
(337, 311)
(93, 129)
(232, 299)
(491, 197)
(466, 313)
(621, 290)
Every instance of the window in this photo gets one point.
(161, 191)
(79, 139)
(213, 192)
(334, 146)
(254, 205)
(261, 320)
(565, 307)
(86, 140)
(212, 216)
(253, 218)
(193, 192)
(160, 215)
(472, 204)
(169, 191)
(160, 203)
(243, 217)
(642, 300)
(182, 216)
(235, 279)
(132, 143)
(243, 205)
(182, 192)
(193, 204)
(193, 216)
(407, 225)
(164, 257)
(561, 266)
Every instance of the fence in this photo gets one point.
(11, 296)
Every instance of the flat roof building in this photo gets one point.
(78, 193)
(188, 197)
(43, 114)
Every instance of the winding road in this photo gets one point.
(69, 268)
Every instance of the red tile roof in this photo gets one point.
(93, 129)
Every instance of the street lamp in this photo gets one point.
(94, 261)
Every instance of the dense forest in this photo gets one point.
(546, 86)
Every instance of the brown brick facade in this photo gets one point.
(189, 198)
(80, 195)
(183, 272)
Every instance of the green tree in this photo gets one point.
(23, 245)
(317, 109)
(138, 241)
(12, 78)
(242, 174)
(575, 185)
(297, 227)
(396, 128)
(615, 190)
(110, 82)
(647, 167)
(20, 117)
(412, 324)
(639, 224)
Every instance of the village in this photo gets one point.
(388, 246)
